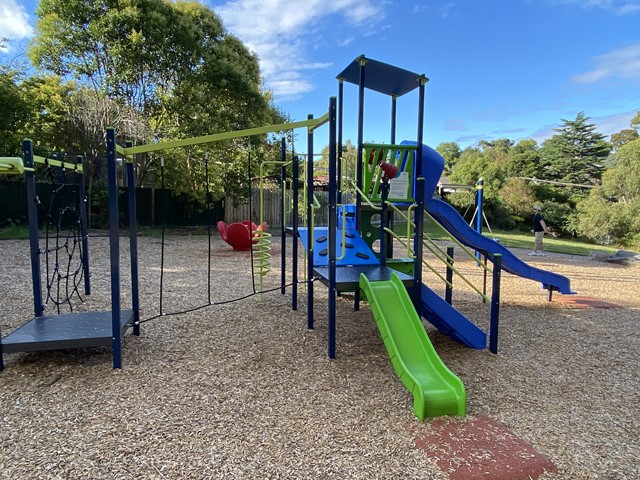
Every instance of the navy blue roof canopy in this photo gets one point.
(382, 77)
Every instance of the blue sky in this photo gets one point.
(497, 69)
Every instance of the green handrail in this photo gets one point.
(435, 253)
(455, 240)
(364, 196)
(457, 272)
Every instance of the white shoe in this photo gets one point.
(533, 254)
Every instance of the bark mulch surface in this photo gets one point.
(242, 389)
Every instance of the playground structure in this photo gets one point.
(354, 252)
(73, 329)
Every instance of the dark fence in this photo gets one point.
(154, 207)
(157, 207)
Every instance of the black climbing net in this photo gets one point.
(63, 256)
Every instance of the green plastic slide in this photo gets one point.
(435, 389)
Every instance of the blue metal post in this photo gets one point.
(340, 115)
(133, 242)
(359, 166)
(419, 212)
(479, 204)
(383, 222)
(363, 62)
(309, 232)
(34, 238)
(479, 208)
(394, 108)
(389, 214)
(114, 244)
(333, 217)
(295, 174)
(448, 293)
(283, 216)
(84, 230)
(495, 303)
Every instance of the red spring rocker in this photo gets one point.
(240, 234)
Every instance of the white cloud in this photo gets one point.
(14, 23)
(456, 125)
(278, 32)
(609, 124)
(616, 7)
(605, 124)
(621, 63)
(443, 11)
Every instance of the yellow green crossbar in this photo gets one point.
(216, 137)
(12, 166)
(15, 165)
(57, 163)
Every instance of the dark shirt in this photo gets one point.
(537, 226)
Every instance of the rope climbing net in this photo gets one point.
(63, 256)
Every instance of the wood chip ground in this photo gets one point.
(244, 390)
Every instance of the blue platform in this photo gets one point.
(356, 251)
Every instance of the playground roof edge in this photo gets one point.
(382, 77)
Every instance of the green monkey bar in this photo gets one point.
(312, 124)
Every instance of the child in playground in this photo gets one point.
(539, 229)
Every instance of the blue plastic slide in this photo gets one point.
(450, 219)
(450, 321)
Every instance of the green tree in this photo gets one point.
(485, 161)
(49, 99)
(613, 210)
(518, 196)
(36, 107)
(349, 154)
(622, 137)
(623, 181)
(523, 160)
(14, 112)
(451, 152)
(576, 154)
(156, 70)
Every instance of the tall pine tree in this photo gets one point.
(576, 154)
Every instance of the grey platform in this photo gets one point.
(71, 330)
(348, 278)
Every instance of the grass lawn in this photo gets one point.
(14, 232)
(517, 239)
(514, 239)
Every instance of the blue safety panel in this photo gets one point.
(357, 252)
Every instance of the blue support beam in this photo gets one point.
(283, 215)
(495, 304)
(114, 247)
(84, 227)
(310, 213)
(333, 217)
(34, 238)
(133, 242)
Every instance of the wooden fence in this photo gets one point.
(272, 209)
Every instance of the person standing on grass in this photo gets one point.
(539, 229)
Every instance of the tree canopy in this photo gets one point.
(577, 153)
(156, 70)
